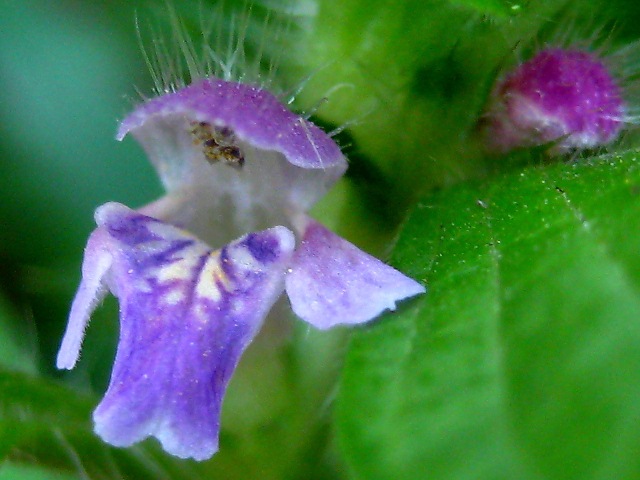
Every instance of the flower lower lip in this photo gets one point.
(188, 313)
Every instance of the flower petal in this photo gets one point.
(187, 314)
(233, 148)
(96, 264)
(333, 282)
(254, 115)
(215, 123)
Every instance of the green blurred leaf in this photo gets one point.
(13, 471)
(48, 425)
(523, 360)
(498, 8)
(68, 75)
(17, 342)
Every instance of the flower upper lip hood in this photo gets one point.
(288, 162)
(254, 114)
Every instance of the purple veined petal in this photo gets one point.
(332, 282)
(238, 140)
(96, 264)
(187, 313)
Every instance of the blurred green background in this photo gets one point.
(409, 79)
(68, 74)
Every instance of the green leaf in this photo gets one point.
(48, 425)
(13, 471)
(523, 360)
(498, 8)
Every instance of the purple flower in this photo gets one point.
(566, 96)
(233, 160)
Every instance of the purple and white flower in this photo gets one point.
(240, 171)
(562, 95)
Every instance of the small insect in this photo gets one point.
(218, 143)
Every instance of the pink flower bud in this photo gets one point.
(563, 96)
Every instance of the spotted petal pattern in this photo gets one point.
(187, 314)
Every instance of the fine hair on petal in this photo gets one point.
(234, 41)
(239, 41)
(587, 34)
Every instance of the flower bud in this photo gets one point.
(564, 97)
